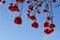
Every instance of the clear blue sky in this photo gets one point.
(11, 31)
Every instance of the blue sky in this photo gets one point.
(11, 31)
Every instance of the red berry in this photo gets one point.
(31, 8)
(15, 8)
(35, 25)
(40, 4)
(18, 20)
(54, 1)
(52, 25)
(48, 18)
(45, 10)
(35, 0)
(46, 24)
(32, 17)
(17, 0)
(21, 1)
(10, 7)
(0, 0)
(48, 31)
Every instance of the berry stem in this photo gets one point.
(51, 12)
(21, 9)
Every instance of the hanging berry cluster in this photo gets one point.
(48, 24)
(33, 9)
(16, 8)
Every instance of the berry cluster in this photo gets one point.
(48, 27)
(34, 9)
(13, 8)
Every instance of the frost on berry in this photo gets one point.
(48, 31)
